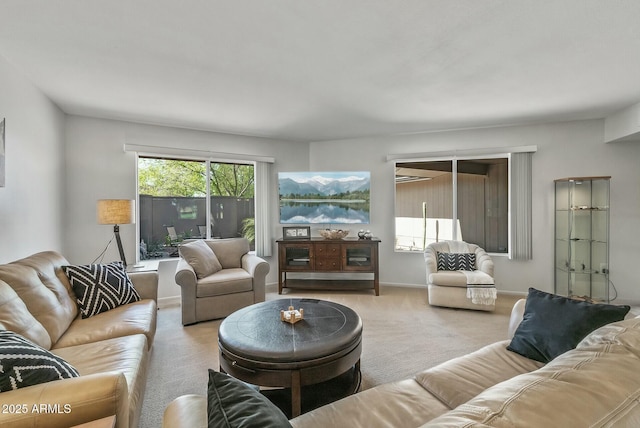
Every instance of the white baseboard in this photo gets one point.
(395, 284)
(272, 287)
(522, 294)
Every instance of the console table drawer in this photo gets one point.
(327, 250)
(324, 263)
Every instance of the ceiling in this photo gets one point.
(306, 70)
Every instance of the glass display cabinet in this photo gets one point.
(582, 238)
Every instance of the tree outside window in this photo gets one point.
(173, 203)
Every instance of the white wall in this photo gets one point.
(98, 168)
(58, 166)
(564, 149)
(31, 203)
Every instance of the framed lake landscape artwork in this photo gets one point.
(324, 197)
(2, 152)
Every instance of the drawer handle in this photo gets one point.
(235, 365)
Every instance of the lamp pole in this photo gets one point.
(116, 231)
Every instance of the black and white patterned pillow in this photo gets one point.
(456, 261)
(23, 363)
(100, 288)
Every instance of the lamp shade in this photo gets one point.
(116, 211)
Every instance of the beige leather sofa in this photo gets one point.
(595, 384)
(239, 281)
(109, 350)
(448, 288)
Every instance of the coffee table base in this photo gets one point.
(256, 347)
(317, 395)
(296, 381)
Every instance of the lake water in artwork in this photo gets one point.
(327, 212)
(338, 197)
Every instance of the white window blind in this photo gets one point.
(263, 219)
(521, 194)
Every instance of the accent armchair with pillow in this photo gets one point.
(218, 277)
(460, 275)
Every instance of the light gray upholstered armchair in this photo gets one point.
(218, 277)
(449, 287)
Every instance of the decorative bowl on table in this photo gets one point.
(333, 233)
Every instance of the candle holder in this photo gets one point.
(292, 315)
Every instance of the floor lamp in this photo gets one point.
(117, 212)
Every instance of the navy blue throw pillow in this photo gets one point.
(232, 403)
(553, 325)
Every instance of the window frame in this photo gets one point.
(453, 158)
(207, 161)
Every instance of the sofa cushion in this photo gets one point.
(23, 363)
(128, 355)
(554, 324)
(132, 319)
(100, 288)
(456, 261)
(15, 316)
(44, 289)
(456, 381)
(625, 333)
(232, 403)
(227, 281)
(395, 404)
(594, 385)
(200, 257)
(448, 278)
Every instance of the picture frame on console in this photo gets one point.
(296, 232)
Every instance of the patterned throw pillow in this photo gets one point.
(23, 363)
(100, 288)
(456, 261)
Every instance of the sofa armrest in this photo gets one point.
(186, 278)
(146, 284)
(258, 268)
(68, 402)
(185, 275)
(484, 261)
(188, 411)
(255, 265)
(517, 313)
(431, 260)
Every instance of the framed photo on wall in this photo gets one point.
(296, 232)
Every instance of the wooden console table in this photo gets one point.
(328, 255)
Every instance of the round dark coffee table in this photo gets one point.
(325, 347)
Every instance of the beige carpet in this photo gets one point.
(402, 336)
